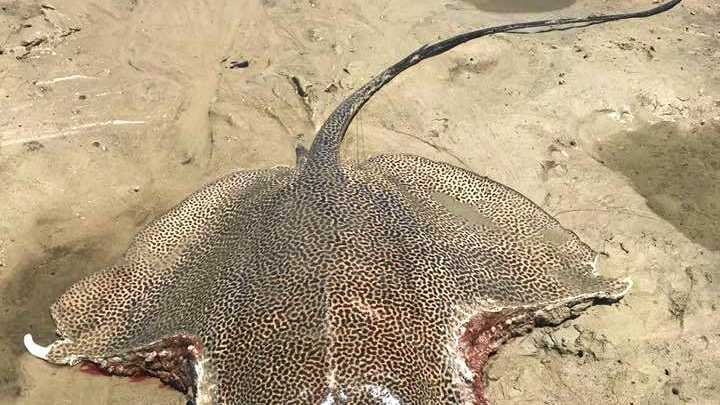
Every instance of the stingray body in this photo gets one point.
(385, 282)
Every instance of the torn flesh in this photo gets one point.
(176, 361)
(482, 336)
(484, 333)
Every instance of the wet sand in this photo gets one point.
(112, 111)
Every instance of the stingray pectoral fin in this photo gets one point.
(478, 201)
(35, 349)
(59, 352)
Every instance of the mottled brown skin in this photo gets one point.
(385, 282)
(297, 293)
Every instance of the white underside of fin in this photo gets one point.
(204, 385)
(329, 400)
(383, 394)
(35, 349)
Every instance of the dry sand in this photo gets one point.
(112, 111)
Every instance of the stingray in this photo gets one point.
(389, 281)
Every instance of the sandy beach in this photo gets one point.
(112, 111)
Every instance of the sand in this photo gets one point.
(112, 111)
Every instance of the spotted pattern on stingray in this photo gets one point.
(389, 281)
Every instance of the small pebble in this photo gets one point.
(239, 64)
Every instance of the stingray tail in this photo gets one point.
(325, 148)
